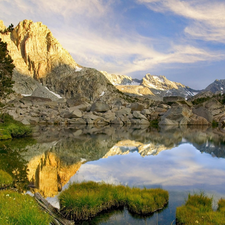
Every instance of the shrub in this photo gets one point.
(87, 199)
(20, 209)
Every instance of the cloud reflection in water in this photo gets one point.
(183, 167)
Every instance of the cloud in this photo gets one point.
(128, 54)
(98, 35)
(207, 20)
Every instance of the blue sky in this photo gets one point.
(181, 39)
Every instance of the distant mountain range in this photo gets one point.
(41, 62)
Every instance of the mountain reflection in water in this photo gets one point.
(58, 154)
(134, 156)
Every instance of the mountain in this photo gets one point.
(150, 86)
(216, 86)
(45, 69)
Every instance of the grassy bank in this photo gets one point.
(10, 128)
(198, 210)
(85, 200)
(20, 209)
(5, 179)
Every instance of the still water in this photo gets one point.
(181, 161)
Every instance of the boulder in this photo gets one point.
(176, 115)
(169, 122)
(136, 106)
(138, 115)
(124, 111)
(99, 106)
(197, 120)
(76, 113)
(203, 112)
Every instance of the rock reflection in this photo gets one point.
(58, 153)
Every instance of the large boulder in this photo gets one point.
(197, 120)
(203, 112)
(176, 115)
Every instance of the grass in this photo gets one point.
(20, 209)
(82, 201)
(198, 210)
(10, 128)
(5, 179)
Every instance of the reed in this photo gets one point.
(198, 210)
(82, 201)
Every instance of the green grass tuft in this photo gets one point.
(21, 209)
(198, 210)
(5, 179)
(82, 201)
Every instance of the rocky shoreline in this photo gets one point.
(175, 111)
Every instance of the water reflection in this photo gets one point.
(177, 159)
(58, 154)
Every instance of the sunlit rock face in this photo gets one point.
(14, 52)
(49, 174)
(39, 49)
(134, 89)
(160, 82)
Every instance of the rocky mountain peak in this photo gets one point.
(116, 79)
(41, 52)
(216, 86)
(160, 82)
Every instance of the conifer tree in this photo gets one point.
(6, 69)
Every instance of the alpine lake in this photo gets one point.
(182, 161)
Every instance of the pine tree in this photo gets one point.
(6, 69)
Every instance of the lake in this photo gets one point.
(180, 160)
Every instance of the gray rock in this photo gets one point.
(169, 122)
(203, 112)
(137, 106)
(176, 114)
(76, 113)
(99, 106)
(138, 115)
(90, 116)
(124, 111)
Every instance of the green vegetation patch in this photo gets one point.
(200, 100)
(11, 128)
(5, 179)
(198, 210)
(154, 123)
(82, 201)
(21, 209)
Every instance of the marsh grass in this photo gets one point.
(10, 128)
(198, 210)
(5, 179)
(82, 201)
(20, 209)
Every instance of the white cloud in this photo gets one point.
(207, 20)
(95, 35)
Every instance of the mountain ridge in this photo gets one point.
(41, 60)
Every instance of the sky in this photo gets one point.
(183, 40)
